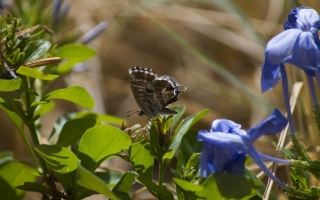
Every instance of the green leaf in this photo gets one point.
(187, 186)
(124, 185)
(19, 125)
(180, 109)
(142, 159)
(36, 74)
(222, 186)
(10, 85)
(60, 159)
(189, 146)
(259, 195)
(73, 130)
(184, 126)
(110, 178)
(299, 177)
(167, 157)
(74, 53)
(58, 125)
(13, 174)
(101, 142)
(110, 119)
(192, 167)
(35, 187)
(6, 156)
(44, 108)
(158, 191)
(154, 142)
(88, 180)
(74, 94)
(34, 50)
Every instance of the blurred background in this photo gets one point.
(214, 48)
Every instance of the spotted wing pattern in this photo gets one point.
(153, 93)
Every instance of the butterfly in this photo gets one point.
(153, 93)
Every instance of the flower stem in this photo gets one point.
(285, 89)
(312, 91)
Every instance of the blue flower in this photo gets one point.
(297, 45)
(226, 145)
(94, 32)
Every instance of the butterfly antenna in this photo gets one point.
(132, 112)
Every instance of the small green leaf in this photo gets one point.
(189, 146)
(101, 142)
(36, 74)
(167, 157)
(154, 142)
(16, 56)
(180, 109)
(35, 187)
(74, 53)
(158, 191)
(110, 119)
(34, 50)
(88, 180)
(10, 85)
(299, 177)
(60, 159)
(124, 185)
(44, 108)
(58, 125)
(73, 130)
(74, 94)
(193, 162)
(187, 186)
(13, 174)
(142, 159)
(184, 126)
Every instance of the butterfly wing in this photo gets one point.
(166, 90)
(140, 79)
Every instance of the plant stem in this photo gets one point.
(161, 174)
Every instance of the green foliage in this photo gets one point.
(13, 174)
(88, 180)
(100, 143)
(71, 174)
(24, 66)
(74, 94)
(142, 159)
(35, 50)
(74, 53)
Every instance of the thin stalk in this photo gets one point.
(285, 88)
(36, 141)
(312, 91)
(30, 124)
(161, 174)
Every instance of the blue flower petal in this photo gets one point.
(222, 139)
(306, 18)
(224, 125)
(270, 76)
(211, 161)
(306, 54)
(280, 46)
(272, 124)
